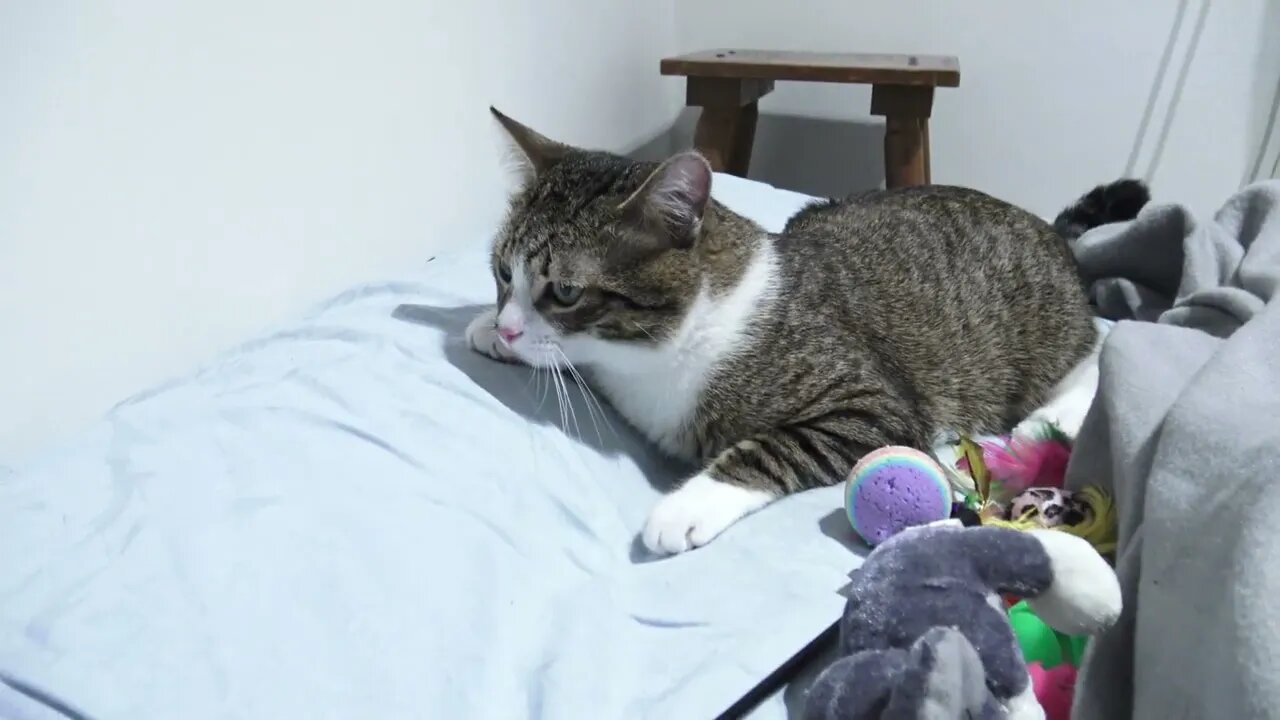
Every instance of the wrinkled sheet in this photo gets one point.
(355, 517)
(1186, 432)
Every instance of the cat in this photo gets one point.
(775, 362)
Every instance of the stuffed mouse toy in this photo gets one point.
(925, 637)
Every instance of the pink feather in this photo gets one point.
(1020, 462)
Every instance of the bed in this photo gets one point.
(354, 516)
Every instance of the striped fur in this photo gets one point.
(776, 361)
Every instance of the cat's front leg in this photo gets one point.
(744, 478)
(482, 337)
(695, 513)
(813, 452)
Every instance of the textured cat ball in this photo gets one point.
(895, 488)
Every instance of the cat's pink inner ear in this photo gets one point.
(675, 198)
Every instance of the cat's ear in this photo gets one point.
(535, 153)
(672, 202)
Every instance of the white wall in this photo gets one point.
(1053, 94)
(176, 176)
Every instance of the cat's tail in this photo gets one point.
(1116, 202)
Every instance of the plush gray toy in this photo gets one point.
(925, 636)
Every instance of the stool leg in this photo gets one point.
(906, 110)
(744, 136)
(928, 162)
(724, 135)
(905, 152)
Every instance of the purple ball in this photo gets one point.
(895, 488)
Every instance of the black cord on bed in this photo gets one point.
(786, 672)
(43, 698)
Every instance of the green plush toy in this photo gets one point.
(1041, 643)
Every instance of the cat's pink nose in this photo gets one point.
(509, 335)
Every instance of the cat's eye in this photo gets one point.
(566, 294)
(504, 272)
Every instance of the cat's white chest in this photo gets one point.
(658, 388)
(659, 404)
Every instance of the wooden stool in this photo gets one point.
(726, 84)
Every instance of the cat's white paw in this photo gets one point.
(697, 512)
(1067, 411)
(482, 336)
(1067, 420)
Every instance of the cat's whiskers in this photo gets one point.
(646, 332)
(568, 403)
(589, 395)
(553, 378)
(533, 379)
(577, 379)
(540, 383)
(567, 412)
(545, 360)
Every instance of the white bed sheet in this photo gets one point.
(355, 517)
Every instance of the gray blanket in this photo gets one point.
(1186, 433)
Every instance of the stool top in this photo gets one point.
(857, 68)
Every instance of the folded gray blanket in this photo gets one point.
(1186, 433)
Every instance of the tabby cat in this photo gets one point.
(776, 361)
